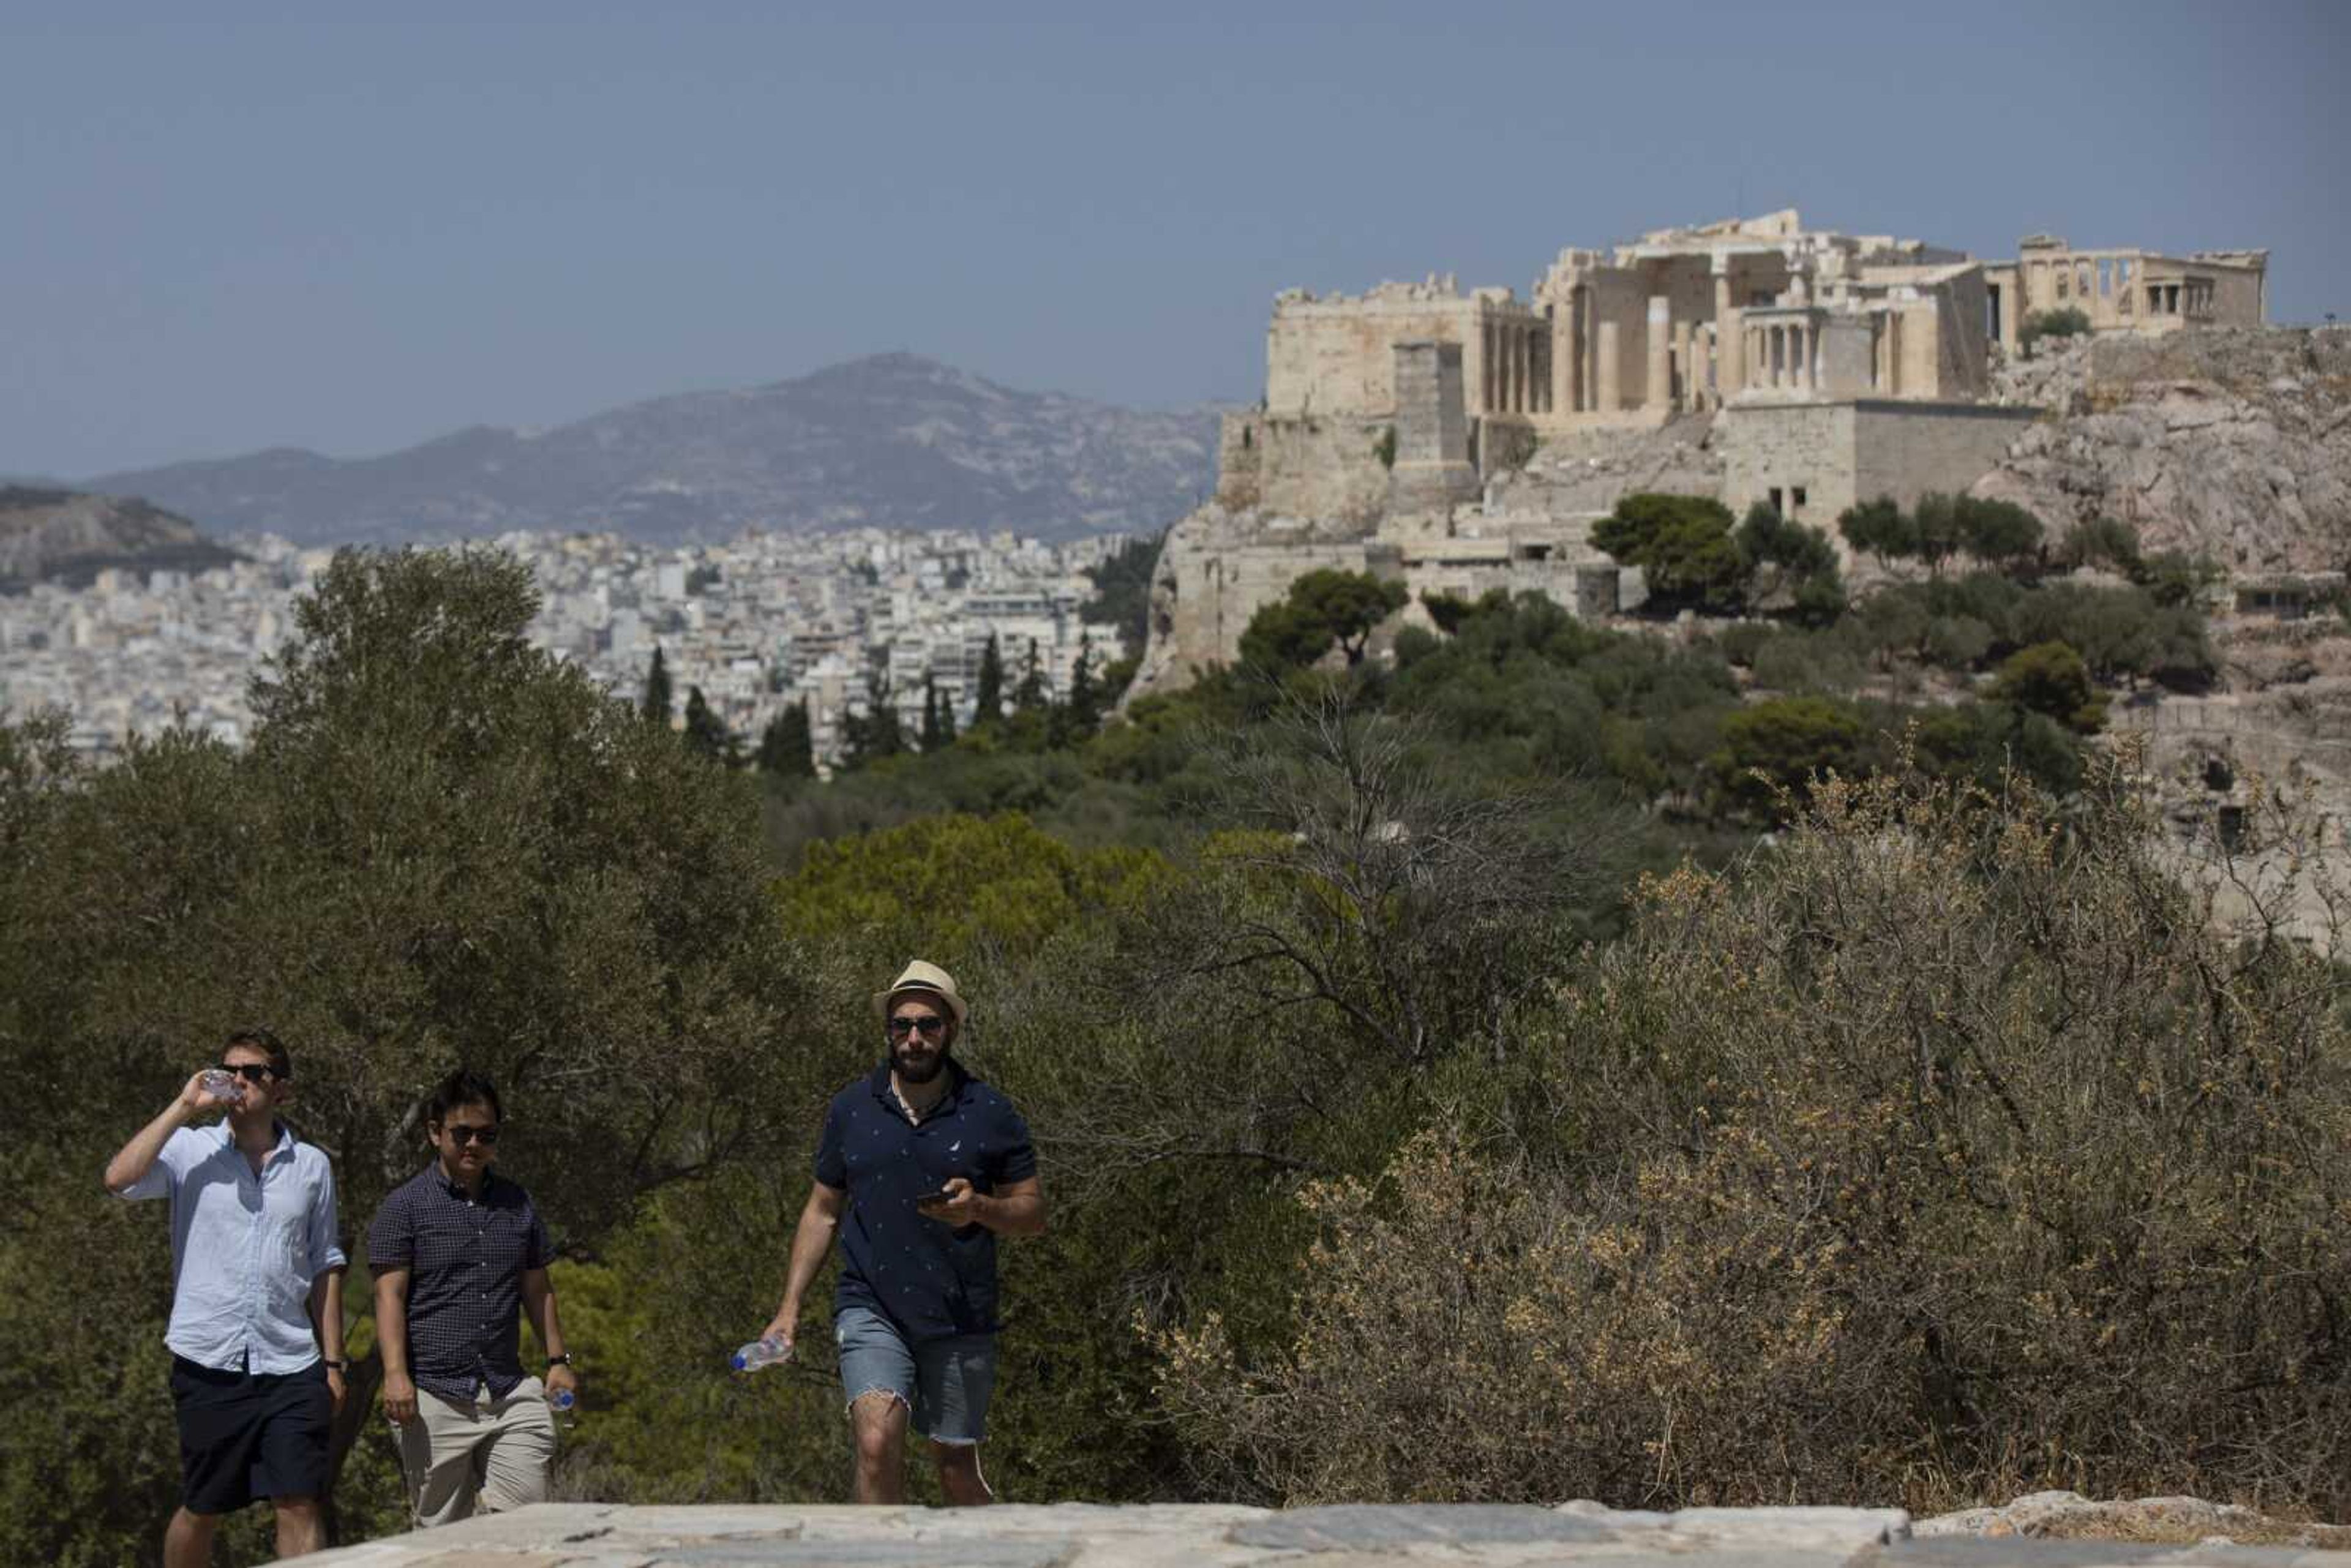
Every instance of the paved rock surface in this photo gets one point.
(1077, 1535)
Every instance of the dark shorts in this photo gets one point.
(245, 1436)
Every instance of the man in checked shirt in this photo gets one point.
(455, 1252)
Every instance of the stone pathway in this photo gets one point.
(1080, 1535)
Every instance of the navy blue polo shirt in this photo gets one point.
(933, 1281)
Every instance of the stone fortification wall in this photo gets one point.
(1796, 446)
(2232, 443)
(1217, 570)
(1585, 472)
(1332, 356)
(1838, 454)
(1905, 450)
(1326, 467)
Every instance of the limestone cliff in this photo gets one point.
(2234, 443)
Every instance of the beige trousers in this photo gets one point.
(501, 1448)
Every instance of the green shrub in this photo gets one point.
(2064, 321)
(1324, 609)
(1771, 749)
(1683, 545)
(1880, 528)
(1807, 663)
(1954, 1147)
(1957, 642)
(2102, 542)
(2051, 678)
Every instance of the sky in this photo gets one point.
(353, 229)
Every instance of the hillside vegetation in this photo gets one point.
(1506, 1071)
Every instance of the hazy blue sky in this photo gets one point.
(245, 226)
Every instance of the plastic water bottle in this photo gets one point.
(773, 1350)
(562, 1399)
(225, 1085)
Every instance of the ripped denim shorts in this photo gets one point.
(944, 1383)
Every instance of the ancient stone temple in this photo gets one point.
(1462, 442)
(1748, 309)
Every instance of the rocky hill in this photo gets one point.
(63, 534)
(2233, 443)
(893, 441)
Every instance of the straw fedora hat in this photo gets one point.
(928, 979)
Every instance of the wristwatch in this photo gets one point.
(555, 1361)
(336, 1365)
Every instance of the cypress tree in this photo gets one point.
(878, 734)
(933, 735)
(706, 733)
(1029, 695)
(987, 705)
(1085, 704)
(787, 748)
(656, 704)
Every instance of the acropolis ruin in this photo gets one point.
(1685, 320)
(1752, 360)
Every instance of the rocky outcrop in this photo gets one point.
(71, 537)
(2231, 443)
(1243, 551)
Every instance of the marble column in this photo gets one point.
(1607, 336)
(1691, 380)
(1591, 347)
(1656, 392)
(1730, 338)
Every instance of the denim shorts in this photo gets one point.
(943, 1383)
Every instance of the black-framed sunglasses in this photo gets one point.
(464, 1135)
(933, 1024)
(251, 1072)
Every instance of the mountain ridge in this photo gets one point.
(892, 440)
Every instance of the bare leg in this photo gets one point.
(959, 1474)
(879, 1423)
(301, 1525)
(188, 1539)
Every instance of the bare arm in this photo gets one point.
(392, 1339)
(819, 1219)
(539, 1305)
(326, 1322)
(134, 1159)
(1015, 1209)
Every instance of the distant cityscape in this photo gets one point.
(758, 624)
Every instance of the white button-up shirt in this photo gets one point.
(245, 1247)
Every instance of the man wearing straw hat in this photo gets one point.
(920, 1168)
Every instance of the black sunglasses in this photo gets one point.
(464, 1135)
(251, 1072)
(931, 1025)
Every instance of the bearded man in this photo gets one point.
(920, 1168)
